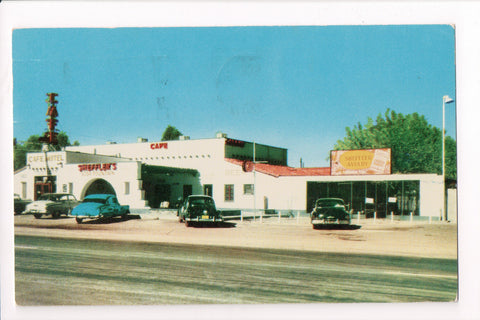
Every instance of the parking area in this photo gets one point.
(365, 236)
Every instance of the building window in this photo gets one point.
(229, 192)
(70, 187)
(24, 190)
(208, 190)
(64, 188)
(248, 189)
(127, 187)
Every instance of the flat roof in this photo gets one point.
(278, 170)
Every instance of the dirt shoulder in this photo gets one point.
(382, 237)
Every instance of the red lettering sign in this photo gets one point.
(159, 145)
(97, 167)
(235, 143)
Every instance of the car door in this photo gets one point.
(183, 209)
(61, 205)
(109, 208)
(72, 202)
(115, 205)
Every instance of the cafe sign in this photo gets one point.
(360, 162)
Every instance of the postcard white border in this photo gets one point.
(464, 15)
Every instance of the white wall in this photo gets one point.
(229, 173)
(194, 154)
(206, 156)
(125, 172)
(69, 178)
(20, 177)
(431, 197)
(452, 205)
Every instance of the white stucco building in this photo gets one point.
(147, 174)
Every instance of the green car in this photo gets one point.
(199, 209)
(329, 211)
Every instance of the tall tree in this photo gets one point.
(171, 133)
(416, 145)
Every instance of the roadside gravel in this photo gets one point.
(382, 237)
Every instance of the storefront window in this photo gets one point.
(367, 197)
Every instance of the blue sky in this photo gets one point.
(292, 87)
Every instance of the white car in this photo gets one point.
(54, 204)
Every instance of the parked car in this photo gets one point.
(54, 204)
(19, 204)
(329, 211)
(99, 205)
(199, 209)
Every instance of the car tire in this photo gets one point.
(188, 223)
(79, 220)
(55, 215)
(37, 215)
(315, 227)
(124, 217)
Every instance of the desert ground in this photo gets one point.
(366, 236)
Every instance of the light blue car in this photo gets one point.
(99, 205)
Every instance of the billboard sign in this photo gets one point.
(360, 162)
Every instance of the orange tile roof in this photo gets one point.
(280, 171)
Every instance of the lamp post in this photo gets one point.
(254, 185)
(446, 99)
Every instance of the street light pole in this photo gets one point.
(254, 185)
(446, 99)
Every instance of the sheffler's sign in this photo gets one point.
(359, 162)
(97, 167)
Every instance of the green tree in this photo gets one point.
(20, 149)
(416, 145)
(171, 133)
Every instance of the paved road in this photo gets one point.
(56, 271)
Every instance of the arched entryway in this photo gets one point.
(98, 186)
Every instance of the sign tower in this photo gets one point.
(50, 136)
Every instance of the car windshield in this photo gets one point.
(329, 203)
(201, 202)
(96, 200)
(52, 197)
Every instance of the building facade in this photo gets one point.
(237, 174)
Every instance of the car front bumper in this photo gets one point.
(204, 219)
(87, 216)
(329, 221)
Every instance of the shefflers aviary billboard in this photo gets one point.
(360, 162)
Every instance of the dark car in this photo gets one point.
(54, 204)
(100, 205)
(329, 211)
(19, 204)
(199, 209)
